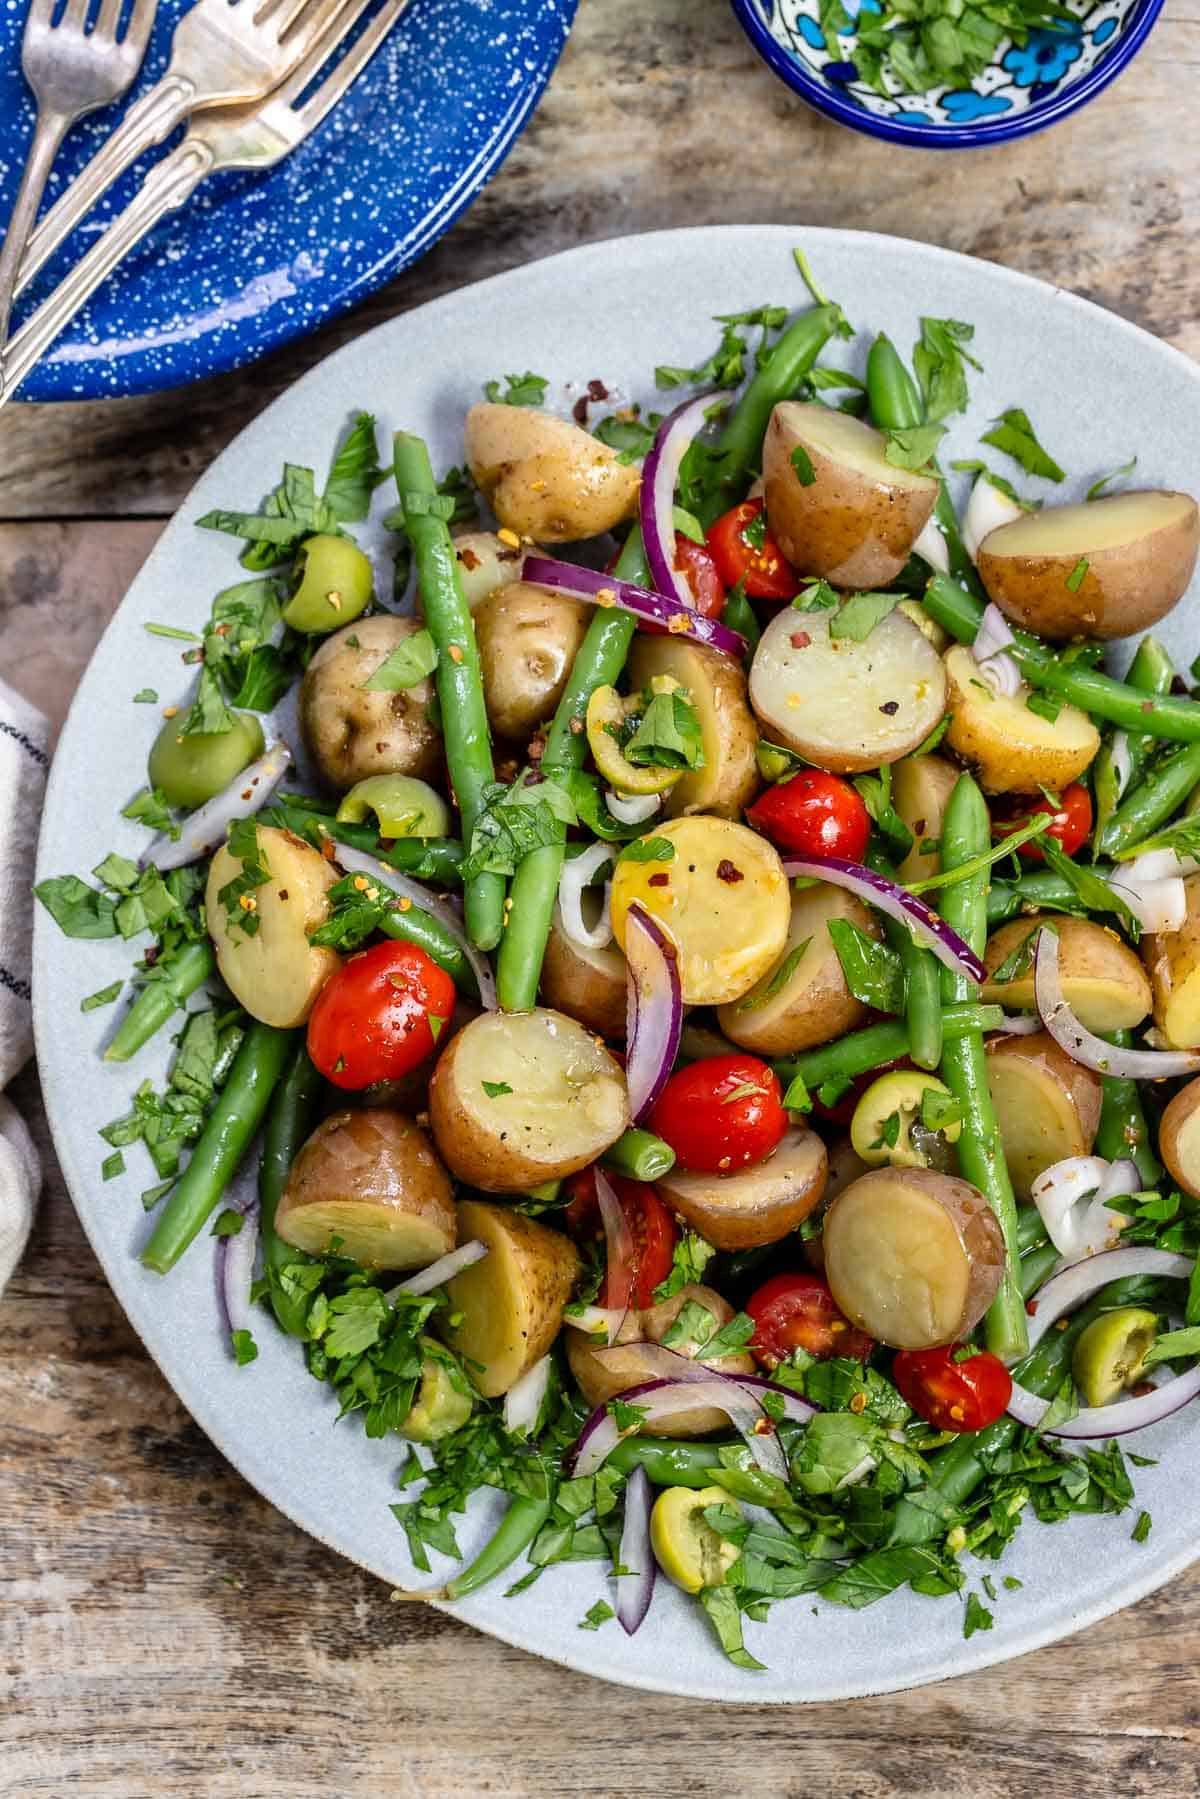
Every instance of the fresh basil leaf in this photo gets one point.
(1094, 893)
(413, 659)
(940, 360)
(858, 616)
(631, 436)
(1014, 435)
(1174, 1346)
(208, 715)
(649, 849)
(976, 1617)
(689, 1259)
(873, 971)
(914, 448)
(1096, 490)
(77, 909)
(668, 734)
(356, 472)
(519, 390)
(724, 1614)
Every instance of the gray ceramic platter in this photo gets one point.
(1097, 390)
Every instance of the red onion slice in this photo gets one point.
(1063, 1291)
(906, 908)
(636, 1589)
(658, 1398)
(1115, 1420)
(653, 1009)
(656, 504)
(618, 1243)
(1082, 1045)
(437, 1273)
(523, 1403)
(207, 827)
(235, 1273)
(589, 585)
(436, 904)
(660, 1363)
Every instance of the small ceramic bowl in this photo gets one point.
(1023, 89)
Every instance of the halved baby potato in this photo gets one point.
(722, 898)
(1173, 964)
(1013, 749)
(371, 1179)
(1109, 568)
(1104, 983)
(486, 563)
(716, 687)
(754, 1205)
(1179, 1138)
(352, 731)
(508, 1306)
(544, 477)
(276, 974)
(1047, 1106)
(803, 1000)
(602, 1373)
(843, 704)
(528, 639)
(837, 507)
(557, 1100)
(921, 789)
(587, 984)
(913, 1257)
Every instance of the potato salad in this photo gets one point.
(704, 962)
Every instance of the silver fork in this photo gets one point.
(224, 53)
(72, 71)
(246, 138)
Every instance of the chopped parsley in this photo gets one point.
(1014, 435)
(596, 1615)
(649, 849)
(1077, 576)
(496, 1089)
(413, 658)
(801, 462)
(519, 390)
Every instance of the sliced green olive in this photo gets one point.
(403, 805)
(440, 1406)
(189, 769)
(1110, 1354)
(606, 716)
(331, 585)
(894, 1123)
(686, 1547)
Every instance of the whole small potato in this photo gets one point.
(528, 640)
(274, 971)
(716, 687)
(544, 477)
(603, 1373)
(752, 1205)
(1047, 1106)
(587, 984)
(1103, 981)
(486, 563)
(371, 1178)
(1013, 749)
(352, 732)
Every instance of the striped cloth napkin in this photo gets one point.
(24, 759)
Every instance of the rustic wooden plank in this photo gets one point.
(629, 137)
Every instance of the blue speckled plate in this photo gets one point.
(257, 259)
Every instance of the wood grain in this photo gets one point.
(162, 1630)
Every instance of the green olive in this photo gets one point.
(331, 585)
(440, 1405)
(1109, 1356)
(190, 769)
(888, 1127)
(606, 715)
(686, 1547)
(404, 806)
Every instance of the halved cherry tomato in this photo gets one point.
(651, 1226)
(721, 1114)
(814, 814)
(952, 1395)
(797, 1311)
(379, 1016)
(694, 561)
(1071, 825)
(744, 550)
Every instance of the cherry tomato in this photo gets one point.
(744, 550)
(814, 814)
(651, 1226)
(373, 1020)
(721, 1114)
(950, 1395)
(695, 561)
(1071, 824)
(797, 1311)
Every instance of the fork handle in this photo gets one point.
(167, 186)
(47, 138)
(148, 121)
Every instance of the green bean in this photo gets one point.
(738, 450)
(159, 998)
(1035, 1268)
(228, 1044)
(459, 678)
(598, 663)
(222, 1143)
(1151, 671)
(861, 1051)
(739, 615)
(668, 1464)
(1160, 715)
(425, 858)
(515, 1532)
(1151, 803)
(290, 1118)
(1031, 1232)
(966, 830)
(922, 990)
(640, 1155)
(429, 933)
(1123, 1130)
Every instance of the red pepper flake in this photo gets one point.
(800, 640)
(597, 390)
(579, 410)
(467, 557)
(729, 872)
(283, 893)
(890, 708)
(151, 956)
(659, 881)
(764, 1428)
(454, 652)
(1147, 706)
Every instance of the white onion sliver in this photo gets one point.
(1021, 1024)
(930, 546)
(633, 808)
(636, 1588)
(656, 505)
(1071, 1199)
(247, 794)
(437, 1273)
(1000, 675)
(1064, 1291)
(994, 634)
(436, 904)
(523, 1402)
(1082, 1045)
(654, 1009)
(601, 1433)
(1115, 1420)
(987, 510)
(235, 1272)
(1120, 761)
(577, 873)
(906, 908)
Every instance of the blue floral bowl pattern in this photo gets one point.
(1025, 88)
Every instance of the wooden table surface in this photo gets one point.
(162, 1629)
